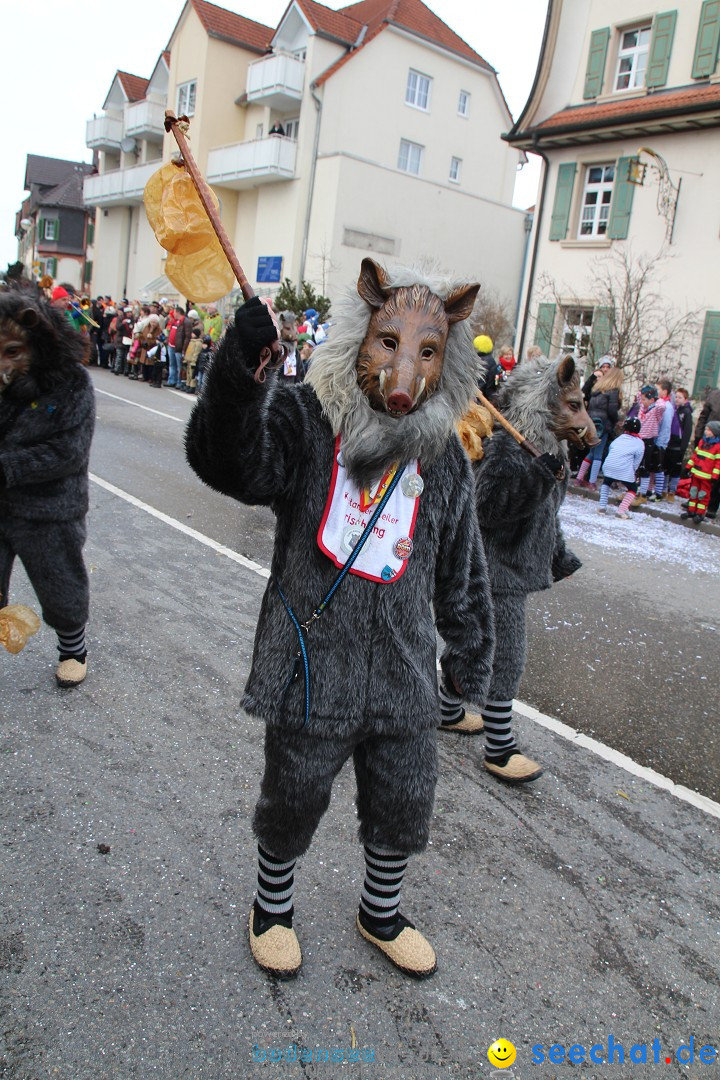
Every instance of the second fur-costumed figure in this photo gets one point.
(382, 396)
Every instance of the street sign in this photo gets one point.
(269, 268)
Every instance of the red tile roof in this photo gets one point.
(656, 104)
(334, 24)
(236, 29)
(134, 86)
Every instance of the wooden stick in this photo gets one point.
(526, 445)
(176, 125)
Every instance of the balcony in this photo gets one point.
(104, 133)
(145, 120)
(276, 81)
(247, 164)
(122, 187)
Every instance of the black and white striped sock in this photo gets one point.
(71, 645)
(451, 707)
(499, 739)
(380, 895)
(275, 885)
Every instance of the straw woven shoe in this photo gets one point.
(406, 948)
(274, 946)
(517, 769)
(471, 724)
(70, 672)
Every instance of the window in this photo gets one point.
(632, 58)
(410, 157)
(300, 54)
(292, 127)
(455, 167)
(463, 103)
(186, 93)
(51, 229)
(577, 331)
(417, 92)
(597, 197)
(259, 129)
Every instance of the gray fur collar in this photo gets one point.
(372, 440)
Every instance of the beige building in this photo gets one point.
(625, 111)
(389, 143)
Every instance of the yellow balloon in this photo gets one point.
(176, 215)
(204, 276)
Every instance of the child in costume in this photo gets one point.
(704, 468)
(621, 464)
(518, 498)
(373, 419)
(47, 418)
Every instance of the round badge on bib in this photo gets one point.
(350, 538)
(402, 548)
(412, 485)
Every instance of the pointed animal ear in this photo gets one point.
(373, 284)
(28, 318)
(460, 303)
(566, 371)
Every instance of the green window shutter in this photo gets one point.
(708, 369)
(41, 229)
(622, 199)
(601, 336)
(563, 198)
(660, 49)
(596, 62)
(87, 275)
(708, 39)
(544, 327)
(91, 228)
(57, 229)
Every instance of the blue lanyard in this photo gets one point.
(302, 628)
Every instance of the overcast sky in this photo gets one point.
(58, 60)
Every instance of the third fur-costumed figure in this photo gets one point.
(359, 462)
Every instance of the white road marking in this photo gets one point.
(117, 397)
(700, 802)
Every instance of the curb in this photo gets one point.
(708, 528)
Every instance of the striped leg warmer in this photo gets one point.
(644, 485)
(71, 645)
(624, 506)
(275, 885)
(595, 470)
(499, 739)
(659, 483)
(604, 494)
(380, 897)
(451, 707)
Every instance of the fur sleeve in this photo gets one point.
(565, 562)
(509, 484)
(245, 439)
(463, 603)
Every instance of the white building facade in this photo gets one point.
(390, 146)
(625, 112)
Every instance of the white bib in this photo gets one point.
(386, 551)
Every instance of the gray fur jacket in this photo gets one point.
(45, 451)
(517, 504)
(373, 651)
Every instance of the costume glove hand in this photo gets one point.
(552, 464)
(255, 327)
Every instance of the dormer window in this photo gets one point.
(633, 58)
(186, 93)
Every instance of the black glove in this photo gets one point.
(552, 464)
(564, 564)
(255, 327)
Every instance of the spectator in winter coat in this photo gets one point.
(709, 412)
(174, 323)
(604, 408)
(212, 322)
(704, 472)
(606, 362)
(650, 416)
(662, 439)
(123, 340)
(621, 464)
(680, 435)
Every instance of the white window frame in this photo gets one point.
(50, 229)
(292, 127)
(636, 55)
(455, 170)
(596, 200)
(417, 90)
(187, 91)
(577, 332)
(410, 157)
(463, 103)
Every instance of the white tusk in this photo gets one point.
(419, 393)
(381, 379)
(6, 378)
(582, 432)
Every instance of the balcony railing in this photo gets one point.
(145, 120)
(257, 161)
(104, 132)
(276, 81)
(121, 187)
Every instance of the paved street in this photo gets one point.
(582, 907)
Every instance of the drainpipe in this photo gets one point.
(531, 276)
(528, 230)
(311, 188)
(127, 252)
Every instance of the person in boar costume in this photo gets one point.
(518, 500)
(47, 419)
(366, 442)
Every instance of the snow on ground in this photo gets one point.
(641, 536)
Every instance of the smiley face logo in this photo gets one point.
(501, 1054)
